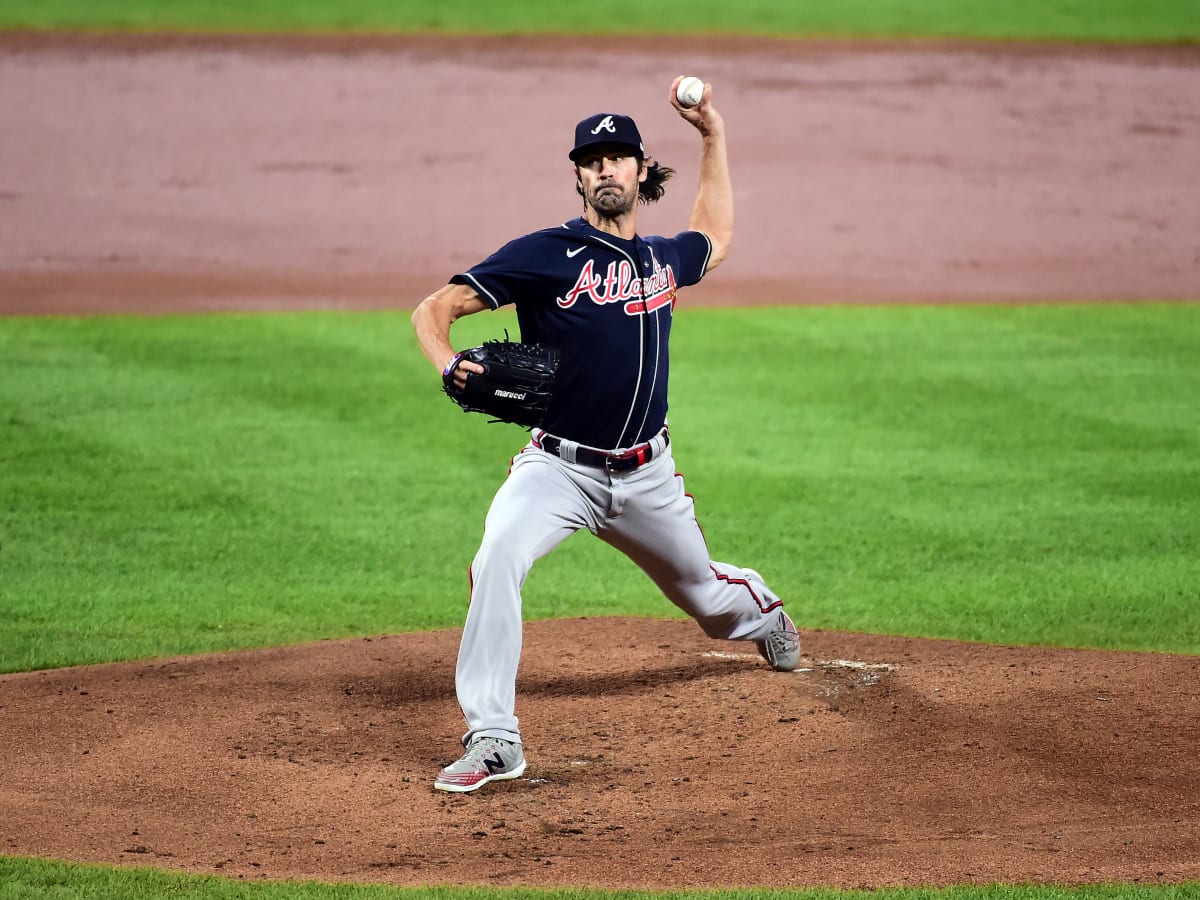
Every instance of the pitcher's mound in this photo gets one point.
(657, 758)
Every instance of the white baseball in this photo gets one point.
(689, 91)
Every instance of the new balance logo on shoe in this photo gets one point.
(494, 763)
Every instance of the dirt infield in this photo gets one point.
(657, 758)
(147, 174)
(152, 174)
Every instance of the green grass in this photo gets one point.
(1072, 20)
(1022, 475)
(1016, 475)
(42, 880)
(1025, 475)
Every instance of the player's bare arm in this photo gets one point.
(712, 212)
(432, 320)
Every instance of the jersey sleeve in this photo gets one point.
(694, 249)
(501, 278)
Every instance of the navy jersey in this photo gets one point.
(605, 303)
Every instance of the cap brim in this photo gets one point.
(582, 148)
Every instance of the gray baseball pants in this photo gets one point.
(645, 513)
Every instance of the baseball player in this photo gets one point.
(603, 295)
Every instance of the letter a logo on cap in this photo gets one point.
(605, 128)
(606, 124)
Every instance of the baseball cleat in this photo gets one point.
(781, 646)
(487, 759)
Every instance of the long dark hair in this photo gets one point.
(653, 188)
(657, 176)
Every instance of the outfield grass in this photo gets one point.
(30, 879)
(1080, 20)
(1024, 475)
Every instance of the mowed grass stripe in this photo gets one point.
(979, 473)
(1071, 20)
(30, 878)
(1007, 474)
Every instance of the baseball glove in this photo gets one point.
(515, 385)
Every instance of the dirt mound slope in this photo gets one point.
(657, 758)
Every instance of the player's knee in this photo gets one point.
(718, 625)
(494, 560)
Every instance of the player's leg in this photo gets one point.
(657, 528)
(535, 509)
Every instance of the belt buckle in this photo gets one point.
(640, 453)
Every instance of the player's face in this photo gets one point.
(609, 178)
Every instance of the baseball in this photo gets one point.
(689, 91)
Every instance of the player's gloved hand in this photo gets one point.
(512, 382)
(457, 369)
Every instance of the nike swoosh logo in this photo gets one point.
(571, 254)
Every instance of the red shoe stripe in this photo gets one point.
(467, 778)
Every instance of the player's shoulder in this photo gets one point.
(685, 240)
(676, 238)
(567, 231)
(688, 253)
(530, 245)
(543, 237)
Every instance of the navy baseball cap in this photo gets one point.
(606, 128)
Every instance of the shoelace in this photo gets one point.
(785, 637)
(481, 748)
(782, 641)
